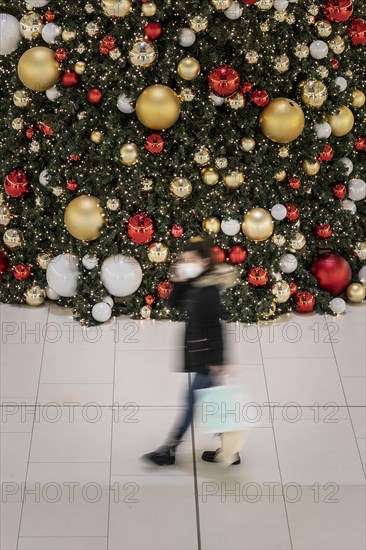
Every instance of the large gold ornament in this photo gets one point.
(313, 93)
(341, 122)
(180, 187)
(158, 253)
(258, 224)
(158, 107)
(142, 54)
(356, 293)
(311, 167)
(84, 218)
(247, 144)
(358, 99)
(38, 69)
(13, 238)
(129, 154)
(30, 25)
(117, 8)
(188, 68)
(35, 295)
(281, 290)
(233, 179)
(210, 175)
(211, 224)
(282, 120)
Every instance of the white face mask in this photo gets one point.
(189, 270)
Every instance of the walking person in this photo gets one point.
(197, 283)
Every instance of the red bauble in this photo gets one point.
(4, 261)
(61, 54)
(177, 231)
(149, 299)
(95, 96)
(74, 158)
(71, 185)
(292, 212)
(338, 10)
(360, 143)
(69, 79)
(237, 255)
(16, 183)
(247, 87)
(327, 154)
(109, 42)
(357, 32)
(257, 276)
(332, 272)
(218, 254)
(294, 183)
(50, 16)
(339, 190)
(103, 50)
(140, 228)
(260, 98)
(335, 64)
(304, 301)
(21, 272)
(164, 289)
(293, 288)
(155, 143)
(324, 230)
(249, 2)
(224, 81)
(153, 30)
(46, 128)
(29, 133)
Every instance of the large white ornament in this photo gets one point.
(288, 263)
(319, 49)
(341, 83)
(121, 275)
(101, 312)
(348, 164)
(230, 227)
(349, 206)
(323, 130)
(51, 294)
(356, 189)
(337, 305)
(124, 104)
(279, 212)
(235, 11)
(280, 4)
(62, 274)
(50, 32)
(37, 3)
(186, 37)
(9, 34)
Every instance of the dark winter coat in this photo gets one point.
(200, 298)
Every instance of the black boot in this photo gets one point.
(211, 456)
(165, 455)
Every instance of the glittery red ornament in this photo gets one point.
(103, 50)
(237, 255)
(324, 230)
(338, 10)
(304, 301)
(140, 228)
(71, 185)
(155, 143)
(50, 16)
(292, 212)
(247, 87)
(16, 184)
(153, 30)
(95, 96)
(29, 133)
(357, 32)
(164, 289)
(149, 299)
(109, 42)
(360, 143)
(257, 276)
(293, 288)
(224, 81)
(219, 254)
(177, 231)
(4, 261)
(260, 98)
(249, 2)
(332, 272)
(339, 190)
(327, 154)
(21, 272)
(334, 63)
(294, 183)
(45, 128)
(74, 158)
(69, 79)
(61, 54)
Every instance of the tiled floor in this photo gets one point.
(80, 406)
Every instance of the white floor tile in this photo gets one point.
(10, 513)
(252, 378)
(355, 390)
(16, 417)
(358, 416)
(351, 359)
(362, 449)
(242, 344)
(62, 543)
(81, 393)
(20, 370)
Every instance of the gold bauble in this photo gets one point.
(264, 5)
(247, 144)
(117, 8)
(96, 137)
(80, 67)
(129, 154)
(188, 68)
(67, 36)
(360, 250)
(284, 152)
(251, 57)
(142, 54)
(202, 156)
(113, 204)
(233, 179)
(356, 293)
(313, 93)
(290, 19)
(43, 259)
(358, 99)
(341, 122)
(258, 224)
(158, 107)
(198, 23)
(282, 120)
(145, 311)
(323, 28)
(187, 94)
(279, 240)
(280, 176)
(337, 45)
(38, 69)
(311, 167)
(22, 99)
(35, 295)
(5, 215)
(221, 5)
(297, 242)
(158, 253)
(236, 101)
(281, 290)
(12, 238)
(180, 187)
(281, 64)
(210, 175)
(149, 9)
(301, 51)
(322, 71)
(84, 218)
(211, 224)
(30, 25)
(280, 15)
(270, 313)
(17, 123)
(221, 162)
(147, 184)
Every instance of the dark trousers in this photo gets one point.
(200, 382)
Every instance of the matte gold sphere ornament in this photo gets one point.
(84, 218)
(129, 154)
(282, 292)
(211, 224)
(202, 156)
(158, 253)
(80, 67)
(341, 122)
(38, 69)
(97, 137)
(143, 54)
(311, 167)
(234, 179)
(358, 99)
(30, 25)
(188, 68)
(282, 121)
(35, 295)
(117, 8)
(158, 107)
(180, 187)
(247, 144)
(356, 293)
(210, 175)
(313, 93)
(258, 224)
(280, 176)
(149, 9)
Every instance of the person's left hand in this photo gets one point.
(217, 370)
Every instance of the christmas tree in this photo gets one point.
(129, 127)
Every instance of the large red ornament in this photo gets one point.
(21, 272)
(149, 299)
(247, 87)
(332, 272)
(140, 228)
(69, 79)
(16, 184)
(304, 301)
(177, 231)
(260, 98)
(338, 10)
(237, 255)
(257, 276)
(164, 289)
(357, 32)
(60, 54)
(153, 30)
(218, 254)
(324, 230)
(71, 185)
(95, 96)
(224, 81)
(339, 190)
(155, 143)
(4, 261)
(294, 183)
(292, 212)
(327, 154)
(360, 143)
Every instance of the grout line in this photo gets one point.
(196, 495)
(111, 445)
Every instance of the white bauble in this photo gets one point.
(37, 3)
(362, 275)
(323, 130)
(62, 274)
(101, 312)
(341, 83)
(230, 227)
(50, 32)
(44, 177)
(348, 164)
(89, 262)
(288, 263)
(108, 300)
(279, 212)
(53, 93)
(121, 275)
(337, 305)
(280, 4)
(124, 104)
(217, 100)
(235, 11)
(349, 205)
(51, 294)
(9, 34)
(356, 189)
(319, 49)
(186, 37)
